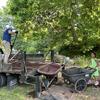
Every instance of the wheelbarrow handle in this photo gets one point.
(89, 68)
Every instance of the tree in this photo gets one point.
(55, 23)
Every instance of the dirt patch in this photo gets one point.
(62, 92)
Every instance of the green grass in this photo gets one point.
(17, 93)
(91, 93)
(21, 93)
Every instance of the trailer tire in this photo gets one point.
(3, 80)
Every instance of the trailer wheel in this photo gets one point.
(80, 85)
(12, 80)
(3, 80)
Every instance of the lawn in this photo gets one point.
(21, 93)
(91, 93)
(17, 93)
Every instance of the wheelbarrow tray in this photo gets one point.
(49, 69)
(73, 74)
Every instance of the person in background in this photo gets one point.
(6, 41)
(93, 64)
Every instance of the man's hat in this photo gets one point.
(7, 27)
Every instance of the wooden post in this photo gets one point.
(37, 87)
(52, 55)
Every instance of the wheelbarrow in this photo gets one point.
(48, 71)
(77, 77)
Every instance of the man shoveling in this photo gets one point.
(6, 42)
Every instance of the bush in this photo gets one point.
(82, 61)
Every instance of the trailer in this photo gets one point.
(22, 68)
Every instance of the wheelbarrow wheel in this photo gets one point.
(80, 85)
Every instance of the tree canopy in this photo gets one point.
(52, 24)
